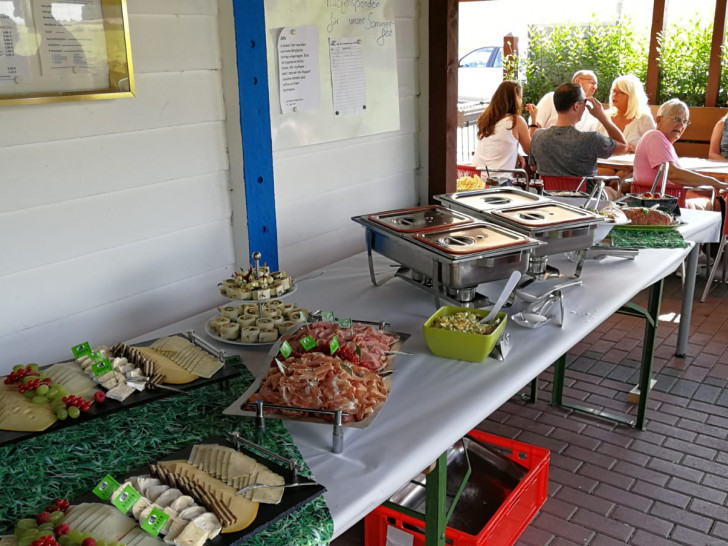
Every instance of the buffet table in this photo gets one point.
(436, 401)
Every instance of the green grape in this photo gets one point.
(62, 413)
(57, 404)
(29, 394)
(53, 394)
(62, 389)
(42, 374)
(45, 529)
(42, 389)
(23, 527)
(101, 542)
(26, 540)
(18, 367)
(33, 367)
(75, 536)
(39, 399)
(29, 378)
(63, 540)
(73, 412)
(56, 518)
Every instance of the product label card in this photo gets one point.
(286, 349)
(106, 487)
(344, 322)
(308, 343)
(155, 521)
(100, 367)
(327, 316)
(126, 499)
(81, 350)
(333, 345)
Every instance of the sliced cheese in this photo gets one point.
(174, 374)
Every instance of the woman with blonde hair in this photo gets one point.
(502, 128)
(629, 109)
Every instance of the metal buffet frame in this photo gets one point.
(438, 288)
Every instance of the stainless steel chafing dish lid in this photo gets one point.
(546, 216)
(489, 199)
(417, 219)
(477, 240)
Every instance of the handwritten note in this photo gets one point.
(298, 69)
(348, 80)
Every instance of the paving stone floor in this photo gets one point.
(610, 484)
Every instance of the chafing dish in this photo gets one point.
(562, 227)
(488, 199)
(451, 259)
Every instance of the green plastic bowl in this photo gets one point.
(459, 345)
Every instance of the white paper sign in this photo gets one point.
(348, 81)
(298, 69)
(12, 65)
(65, 45)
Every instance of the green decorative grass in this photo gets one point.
(68, 463)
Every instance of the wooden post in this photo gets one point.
(653, 69)
(711, 92)
(443, 87)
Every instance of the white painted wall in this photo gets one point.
(319, 188)
(115, 216)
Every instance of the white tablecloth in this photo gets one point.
(436, 401)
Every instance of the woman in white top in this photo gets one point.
(629, 110)
(501, 128)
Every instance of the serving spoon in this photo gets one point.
(510, 285)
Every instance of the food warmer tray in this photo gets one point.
(230, 370)
(293, 497)
(452, 260)
(562, 227)
(489, 199)
(418, 219)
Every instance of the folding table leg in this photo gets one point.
(435, 516)
(651, 316)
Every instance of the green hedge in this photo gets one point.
(556, 52)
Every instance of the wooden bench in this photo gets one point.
(695, 141)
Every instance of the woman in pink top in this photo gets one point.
(656, 147)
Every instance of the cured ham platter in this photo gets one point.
(322, 367)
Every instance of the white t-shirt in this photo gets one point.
(499, 150)
(547, 115)
(634, 130)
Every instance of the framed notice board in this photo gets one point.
(56, 50)
(332, 70)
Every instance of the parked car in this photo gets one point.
(480, 72)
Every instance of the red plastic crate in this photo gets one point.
(507, 523)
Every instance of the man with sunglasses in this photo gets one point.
(547, 114)
(563, 150)
(657, 147)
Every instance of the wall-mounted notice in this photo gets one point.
(298, 69)
(13, 67)
(357, 71)
(348, 83)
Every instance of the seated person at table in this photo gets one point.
(629, 110)
(501, 128)
(719, 141)
(563, 150)
(656, 147)
(547, 114)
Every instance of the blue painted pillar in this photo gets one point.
(252, 64)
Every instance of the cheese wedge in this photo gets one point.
(174, 374)
(20, 414)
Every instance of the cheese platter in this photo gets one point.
(214, 492)
(24, 414)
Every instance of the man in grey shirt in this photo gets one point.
(563, 150)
